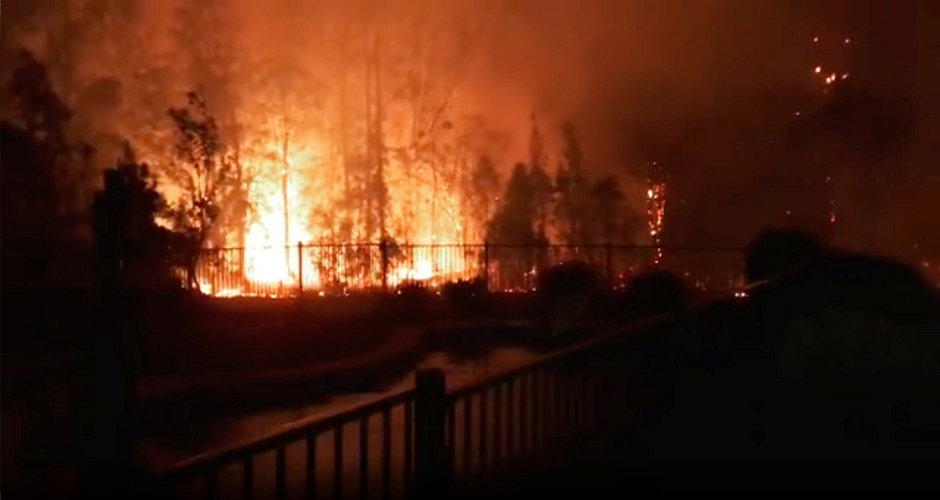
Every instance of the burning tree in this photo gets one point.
(607, 219)
(286, 102)
(211, 189)
(482, 189)
(571, 191)
(656, 209)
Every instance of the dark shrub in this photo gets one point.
(565, 293)
(775, 251)
(466, 295)
(572, 278)
(657, 292)
(856, 283)
(412, 298)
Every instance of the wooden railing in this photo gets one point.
(429, 436)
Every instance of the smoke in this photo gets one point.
(696, 85)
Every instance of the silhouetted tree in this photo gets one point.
(207, 175)
(516, 218)
(37, 110)
(482, 189)
(126, 229)
(516, 223)
(131, 251)
(606, 216)
(539, 184)
(571, 216)
(210, 57)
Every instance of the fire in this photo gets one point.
(656, 210)
(286, 250)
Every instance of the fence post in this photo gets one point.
(383, 249)
(300, 269)
(486, 264)
(432, 466)
(608, 264)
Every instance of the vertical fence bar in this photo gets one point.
(248, 482)
(431, 473)
(364, 458)
(387, 453)
(300, 269)
(511, 447)
(525, 383)
(481, 448)
(452, 426)
(383, 250)
(280, 473)
(212, 485)
(338, 462)
(409, 447)
(467, 434)
(486, 264)
(538, 399)
(311, 443)
(497, 423)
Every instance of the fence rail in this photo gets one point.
(299, 451)
(339, 268)
(438, 437)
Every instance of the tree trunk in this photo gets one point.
(378, 145)
(285, 193)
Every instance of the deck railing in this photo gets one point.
(298, 451)
(429, 436)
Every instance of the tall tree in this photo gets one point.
(205, 171)
(37, 109)
(205, 33)
(131, 259)
(288, 99)
(482, 190)
(571, 191)
(515, 221)
(606, 217)
(539, 184)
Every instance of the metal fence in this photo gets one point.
(426, 440)
(333, 269)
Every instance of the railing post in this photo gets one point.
(300, 269)
(432, 466)
(383, 249)
(486, 264)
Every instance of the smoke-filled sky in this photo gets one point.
(591, 59)
(692, 81)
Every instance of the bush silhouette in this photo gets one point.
(412, 298)
(657, 292)
(565, 292)
(775, 251)
(465, 295)
(572, 278)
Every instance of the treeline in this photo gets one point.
(47, 209)
(570, 208)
